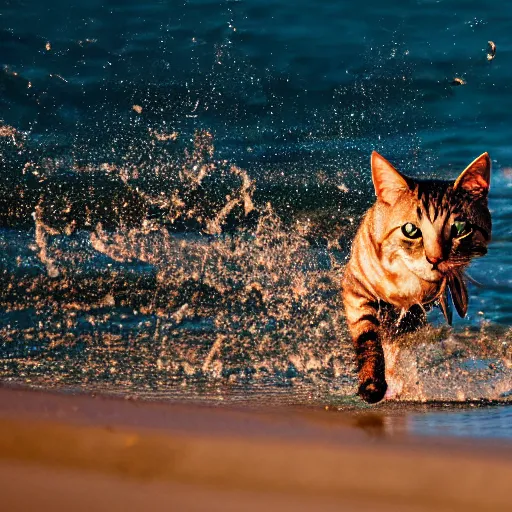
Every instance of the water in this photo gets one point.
(180, 183)
(480, 423)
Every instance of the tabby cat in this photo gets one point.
(410, 252)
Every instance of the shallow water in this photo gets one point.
(481, 423)
(181, 182)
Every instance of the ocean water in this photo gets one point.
(181, 181)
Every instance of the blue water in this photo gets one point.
(135, 257)
(480, 423)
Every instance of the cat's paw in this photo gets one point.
(372, 390)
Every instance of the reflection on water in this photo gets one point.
(398, 419)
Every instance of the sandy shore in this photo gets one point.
(77, 452)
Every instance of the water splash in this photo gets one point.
(205, 293)
(443, 365)
(136, 257)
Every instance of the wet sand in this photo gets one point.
(77, 452)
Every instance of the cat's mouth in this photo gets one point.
(437, 272)
(426, 272)
(449, 266)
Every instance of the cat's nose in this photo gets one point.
(434, 260)
(433, 246)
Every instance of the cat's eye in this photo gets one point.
(461, 228)
(410, 230)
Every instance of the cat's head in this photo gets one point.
(433, 227)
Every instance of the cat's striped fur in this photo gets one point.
(410, 252)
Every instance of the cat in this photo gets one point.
(409, 252)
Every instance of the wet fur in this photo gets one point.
(392, 279)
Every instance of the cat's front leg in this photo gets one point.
(362, 317)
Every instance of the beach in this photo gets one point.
(61, 450)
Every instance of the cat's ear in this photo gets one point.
(476, 177)
(388, 182)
